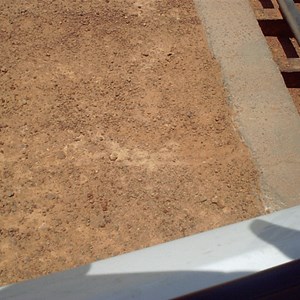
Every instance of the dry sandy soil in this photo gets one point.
(282, 48)
(115, 133)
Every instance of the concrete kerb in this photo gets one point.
(265, 114)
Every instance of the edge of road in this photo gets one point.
(264, 112)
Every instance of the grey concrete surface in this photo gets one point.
(264, 112)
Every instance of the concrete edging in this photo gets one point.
(265, 114)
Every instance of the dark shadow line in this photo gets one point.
(288, 47)
(266, 3)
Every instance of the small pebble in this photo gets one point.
(50, 196)
(10, 193)
(113, 156)
(189, 114)
(61, 155)
(97, 221)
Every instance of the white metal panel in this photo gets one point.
(177, 267)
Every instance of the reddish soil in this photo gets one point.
(115, 133)
(282, 48)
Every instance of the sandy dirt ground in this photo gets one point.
(115, 133)
(282, 48)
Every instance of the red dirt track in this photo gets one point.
(115, 133)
